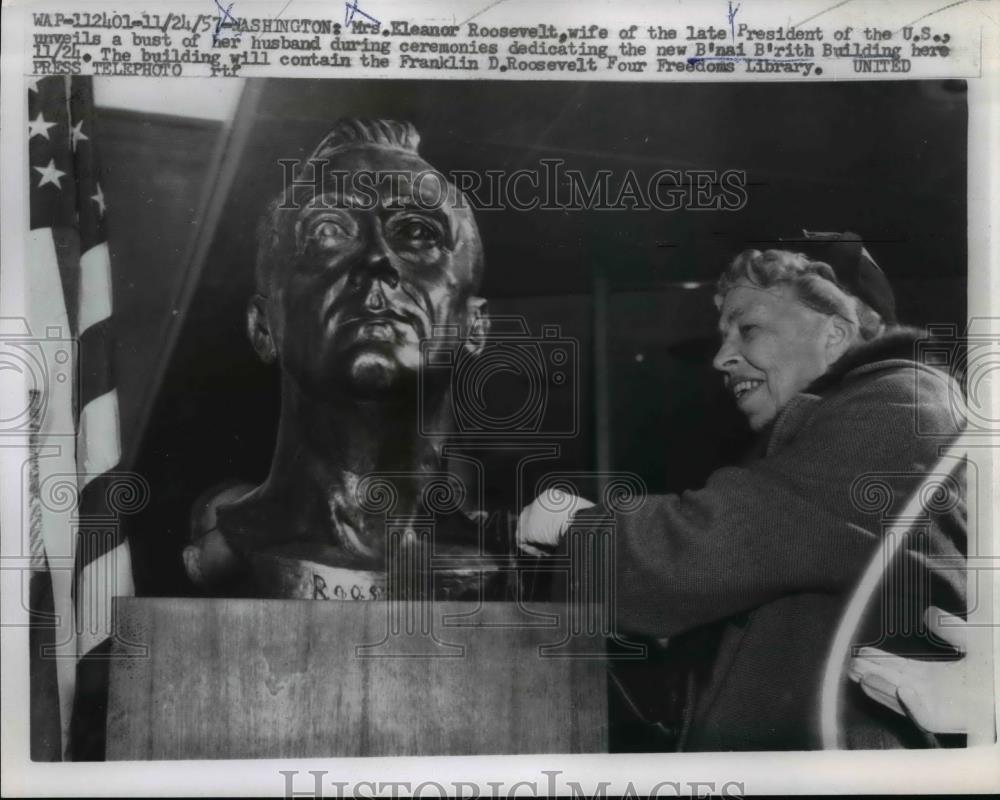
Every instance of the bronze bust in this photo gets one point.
(358, 284)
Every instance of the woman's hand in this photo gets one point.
(543, 522)
(209, 560)
(934, 694)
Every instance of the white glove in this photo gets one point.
(545, 520)
(210, 560)
(934, 694)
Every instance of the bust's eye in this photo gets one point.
(417, 231)
(328, 233)
(747, 330)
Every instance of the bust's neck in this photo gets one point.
(324, 450)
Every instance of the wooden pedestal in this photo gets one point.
(290, 678)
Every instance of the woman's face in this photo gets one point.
(773, 347)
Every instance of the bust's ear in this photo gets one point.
(478, 316)
(259, 330)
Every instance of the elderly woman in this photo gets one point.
(770, 549)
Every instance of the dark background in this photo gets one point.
(887, 160)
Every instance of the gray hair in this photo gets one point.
(814, 282)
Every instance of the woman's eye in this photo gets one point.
(747, 330)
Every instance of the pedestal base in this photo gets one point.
(300, 679)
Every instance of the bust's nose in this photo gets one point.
(375, 299)
(377, 264)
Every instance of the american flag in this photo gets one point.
(79, 557)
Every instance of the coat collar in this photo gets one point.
(896, 344)
(895, 347)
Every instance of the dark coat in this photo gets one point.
(770, 551)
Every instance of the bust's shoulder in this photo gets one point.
(252, 522)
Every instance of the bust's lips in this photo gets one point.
(379, 325)
(380, 329)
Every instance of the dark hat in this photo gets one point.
(856, 271)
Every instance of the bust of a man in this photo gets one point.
(363, 276)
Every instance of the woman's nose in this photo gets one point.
(726, 358)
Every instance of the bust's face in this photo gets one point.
(373, 272)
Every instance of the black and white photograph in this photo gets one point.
(385, 417)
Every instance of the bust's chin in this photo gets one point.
(373, 370)
(375, 373)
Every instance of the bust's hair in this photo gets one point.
(349, 132)
(814, 282)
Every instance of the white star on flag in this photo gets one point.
(33, 85)
(77, 135)
(50, 174)
(99, 199)
(39, 127)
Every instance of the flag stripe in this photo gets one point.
(45, 732)
(95, 287)
(89, 198)
(65, 649)
(96, 359)
(46, 720)
(97, 447)
(107, 574)
(90, 705)
(53, 446)
(53, 280)
(94, 541)
(105, 497)
(67, 253)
